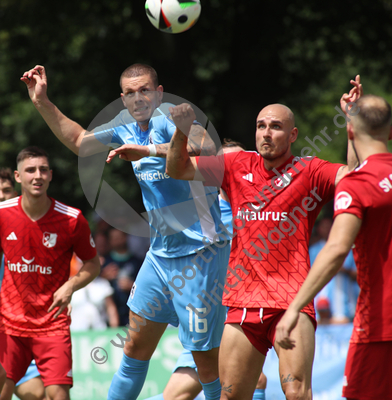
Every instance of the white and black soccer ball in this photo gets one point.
(173, 16)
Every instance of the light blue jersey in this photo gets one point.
(226, 214)
(181, 213)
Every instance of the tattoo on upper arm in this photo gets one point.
(227, 388)
(199, 141)
(288, 378)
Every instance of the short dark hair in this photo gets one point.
(31, 152)
(136, 70)
(7, 175)
(227, 142)
(374, 111)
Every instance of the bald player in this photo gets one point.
(275, 199)
(363, 215)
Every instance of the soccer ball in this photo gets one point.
(173, 16)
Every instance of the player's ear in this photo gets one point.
(293, 135)
(123, 99)
(350, 131)
(51, 175)
(17, 177)
(160, 93)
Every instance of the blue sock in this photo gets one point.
(212, 390)
(128, 381)
(157, 397)
(259, 394)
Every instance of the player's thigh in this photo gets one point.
(367, 367)
(15, 357)
(198, 298)
(57, 392)
(33, 389)
(240, 364)
(53, 356)
(149, 297)
(141, 336)
(295, 365)
(183, 385)
(7, 390)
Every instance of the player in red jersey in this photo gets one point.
(363, 215)
(275, 199)
(38, 236)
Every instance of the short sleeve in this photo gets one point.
(83, 243)
(163, 129)
(323, 177)
(107, 133)
(347, 199)
(214, 169)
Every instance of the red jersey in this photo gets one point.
(274, 213)
(367, 193)
(37, 257)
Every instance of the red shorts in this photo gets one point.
(258, 324)
(368, 371)
(53, 356)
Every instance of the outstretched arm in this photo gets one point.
(327, 264)
(198, 142)
(69, 132)
(347, 105)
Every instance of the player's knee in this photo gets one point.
(296, 391)
(57, 392)
(262, 382)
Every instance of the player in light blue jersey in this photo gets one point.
(181, 280)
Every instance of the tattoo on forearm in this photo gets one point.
(193, 148)
(288, 378)
(199, 141)
(226, 388)
(162, 149)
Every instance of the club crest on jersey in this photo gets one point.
(49, 240)
(284, 182)
(150, 139)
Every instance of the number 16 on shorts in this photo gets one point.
(196, 324)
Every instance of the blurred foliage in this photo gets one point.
(239, 57)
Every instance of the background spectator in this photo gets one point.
(120, 268)
(93, 306)
(338, 298)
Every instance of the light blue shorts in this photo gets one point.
(185, 361)
(179, 292)
(32, 372)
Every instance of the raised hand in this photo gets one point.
(36, 82)
(183, 117)
(355, 93)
